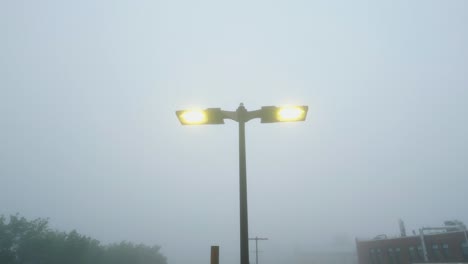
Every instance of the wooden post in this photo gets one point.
(214, 255)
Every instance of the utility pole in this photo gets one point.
(256, 246)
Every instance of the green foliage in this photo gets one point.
(33, 242)
(126, 252)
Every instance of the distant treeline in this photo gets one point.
(33, 242)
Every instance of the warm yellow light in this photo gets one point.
(290, 113)
(193, 117)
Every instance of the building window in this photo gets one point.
(436, 252)
(394, 255)
(413, 254)
(464, 248)
(397, 256)
(445, 251)
(391, 256)
(372, 256)
(379, 256)
(375, 256)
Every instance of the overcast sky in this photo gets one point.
(89, 136)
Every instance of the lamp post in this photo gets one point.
(267, 114)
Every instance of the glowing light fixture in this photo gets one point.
(290, 113)
(273, 114)
(193, 117)
(207, 116)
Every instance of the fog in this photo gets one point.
(89, 137)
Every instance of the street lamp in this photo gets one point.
(267, 114)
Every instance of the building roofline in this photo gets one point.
(411, 236)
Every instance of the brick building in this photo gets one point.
(447, 245)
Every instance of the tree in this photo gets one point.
(6, 243)
(126, 252)
(33, 242)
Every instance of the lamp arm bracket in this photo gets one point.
(253, 114)
(230, 115)
(249, 115)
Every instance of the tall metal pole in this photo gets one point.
(244, 229)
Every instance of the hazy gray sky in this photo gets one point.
(89, 137)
